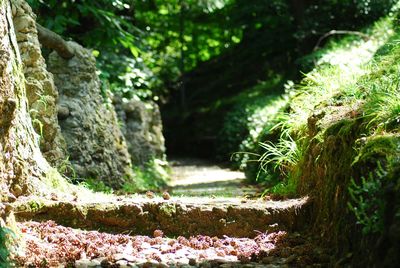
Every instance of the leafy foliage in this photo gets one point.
(340, 130)
(5, 233)
(253, 110)
(153, 175)
(143, 47)
(367, 201)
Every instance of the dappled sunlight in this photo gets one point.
(192, 175)
(199, 133)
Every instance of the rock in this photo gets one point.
(88, 122)
(142, 128)
(11, 197)
(122, 263)
(99, 260)
(105, 263)
(63, 112)
(166, 196)
(192, 261)
(149, 265)
(16, 190)
(227, 265)
(290, 259)
(125, 257)
(268, 260)
(84, 263)
(41, 92)
(185, 266)
(273, 266)
(149, 194)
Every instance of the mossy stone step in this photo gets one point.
(178, 216)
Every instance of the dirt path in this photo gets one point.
(198, 177)
(206, 222)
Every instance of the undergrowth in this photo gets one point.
(367, 201)
(342, 77)
(252, 114)
(153, 176)
(5, 234)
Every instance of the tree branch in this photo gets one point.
(53, 41)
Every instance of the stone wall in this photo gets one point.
(142, 128)
(90, 137)
(41, 93)
(95, 142)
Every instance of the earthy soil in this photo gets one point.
(178, 231)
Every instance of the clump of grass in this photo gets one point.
(96, 186)
(282, 155)
(337, 72)
(154, 175)
(382, 107)
(342, 77)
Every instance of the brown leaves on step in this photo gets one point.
(158, 233)
(57, 245)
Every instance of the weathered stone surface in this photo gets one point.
(95, 143)
(178, 216)
(41, 93)
(142, 128)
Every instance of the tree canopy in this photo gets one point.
(144, 46)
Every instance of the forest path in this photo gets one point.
(207, 222)
(199, 177)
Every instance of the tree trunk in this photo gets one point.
(298, 7)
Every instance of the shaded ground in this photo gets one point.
(201, 225)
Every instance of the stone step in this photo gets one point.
(183, 216)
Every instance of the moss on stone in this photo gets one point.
(56, 181)
(34, 206)
(168, 209)
(378, 147)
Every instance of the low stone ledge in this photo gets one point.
(177, 216)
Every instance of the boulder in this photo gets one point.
(41, 92)
(142, 127)
(95, 143)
